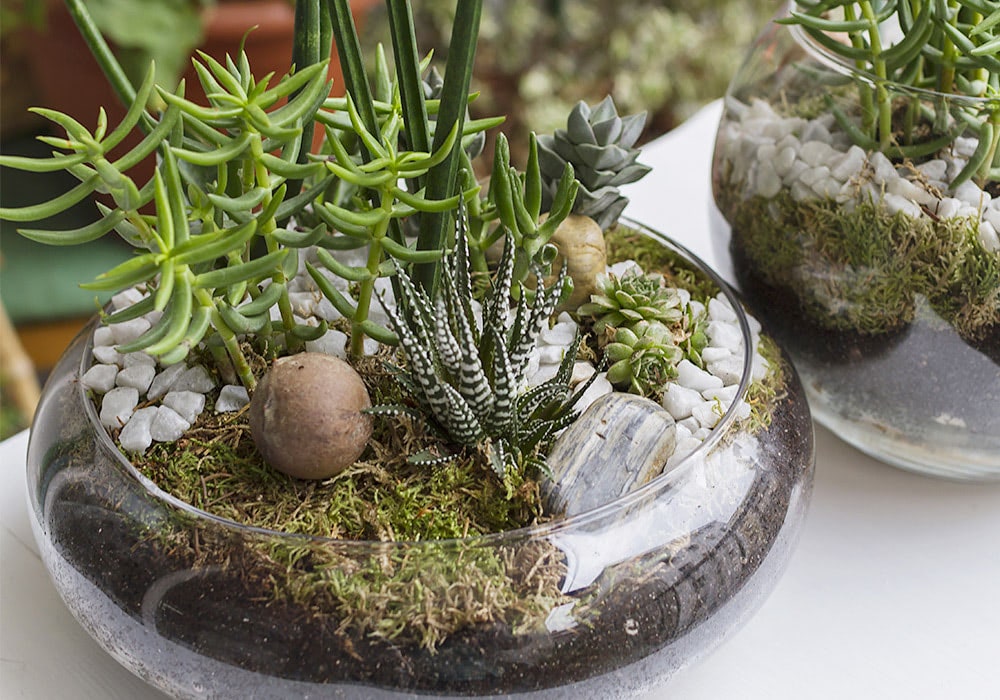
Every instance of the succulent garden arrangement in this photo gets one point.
(362, 378)
(858, 165)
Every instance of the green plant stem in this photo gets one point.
(441, 179)
(367, 287)
(882, 98)
(106, 59)
(983, 176)
(351, 62)
(408, 75)
(229, 339)
(312, 45)
(946, 76)
(266, 229)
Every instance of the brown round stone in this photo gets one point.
(305, 415)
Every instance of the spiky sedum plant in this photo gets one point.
(231, 177)
(950, 47)
(467, 373)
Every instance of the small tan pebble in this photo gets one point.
(305, 415)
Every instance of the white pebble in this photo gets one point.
(619, 269)
(597, 389)
(711, 354)
(702, 433)
(725, 395)
(582, 371)
(690, 424)
(561, 334)
(137, 435)
(232, 397)
(948, 208)
(137, 376)
(195, 378)
(707, 414)
(333, 342)
(693, 377)
(303, 303)
(107, 354)
(103, 337)
(720, 310)
(137, 358)
(326, 311)
(100, 378)
(759, 369)
(543, 373)
(768, 181)
(816, 153)
(680, 400)
(935, 169)
(165, 380)
(883, 168)
(118, 405)
(742, 410)
(896, 204)
(127, 331)
(970, 193)
(992, 215)
(126, 298)
(848, 166)
(370, 346)
(905, 188)
(965, 146)
(187, 404)
(988, 237)
(729, 370)
(722, 334)
(682, 432)
(168, 425)
(784, 160)
(550, 354)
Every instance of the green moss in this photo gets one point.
(860, 269)
(215, 467)
(625, 243)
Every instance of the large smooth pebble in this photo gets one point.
(619, 443)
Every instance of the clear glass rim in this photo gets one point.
(841, 65)
(530, 532)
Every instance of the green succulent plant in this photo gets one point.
(643, 357)
(623, 301)
(467, 374)
(600, 146)
(949, 47)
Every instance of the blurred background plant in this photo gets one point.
(537, 58)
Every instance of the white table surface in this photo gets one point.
(893, 591)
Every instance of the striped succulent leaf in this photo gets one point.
(466, 372)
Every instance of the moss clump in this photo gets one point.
(859, 269)
(626, 243)
(216, 468)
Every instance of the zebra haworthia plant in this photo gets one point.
(467, 371)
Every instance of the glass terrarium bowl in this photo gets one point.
(881, 282)
(602, 604)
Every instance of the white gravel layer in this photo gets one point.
(813, 159)
(150, 403)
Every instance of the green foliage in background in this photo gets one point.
(537, 59)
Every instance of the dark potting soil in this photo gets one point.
(923, 373)
(226, 613)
